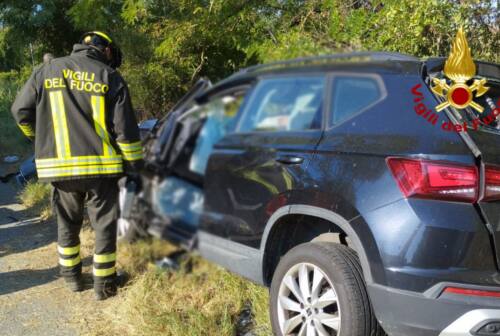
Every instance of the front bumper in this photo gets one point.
(434, 313)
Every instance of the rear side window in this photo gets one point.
(284, 104)
(352, 94)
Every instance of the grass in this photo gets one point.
(36, 198)
(200, 296)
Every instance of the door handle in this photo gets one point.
(290, 159)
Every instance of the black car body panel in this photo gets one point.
(257, 181)
(267, 190)
(419, 249)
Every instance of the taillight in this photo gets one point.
(435, 180)
(492, 184)
(471, 292)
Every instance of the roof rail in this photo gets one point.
(372, 56)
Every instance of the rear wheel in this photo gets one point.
(318, 289)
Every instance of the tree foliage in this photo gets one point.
(168, 44)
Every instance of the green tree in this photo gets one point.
(169, 44)
(30, 28)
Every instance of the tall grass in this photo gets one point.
(36, 198)
(198, 299)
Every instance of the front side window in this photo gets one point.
(353, 94)
(220, 116)
(284, 104)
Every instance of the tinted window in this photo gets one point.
(351, 95)
(284, 104)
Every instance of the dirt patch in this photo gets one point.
(33, 298)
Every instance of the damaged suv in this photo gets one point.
(334, 181)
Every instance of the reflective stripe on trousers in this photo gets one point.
(104, 264)
(69, 256)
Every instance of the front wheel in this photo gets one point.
(318, 289)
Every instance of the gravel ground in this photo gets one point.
(33, 299)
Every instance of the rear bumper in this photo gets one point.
(475, 322)
(433, 313)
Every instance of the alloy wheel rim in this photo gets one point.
(308, 303)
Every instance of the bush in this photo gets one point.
(12, 141)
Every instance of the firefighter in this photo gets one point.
(78, 110)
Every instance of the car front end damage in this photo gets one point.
(164, 202)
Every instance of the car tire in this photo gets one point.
(320, 285)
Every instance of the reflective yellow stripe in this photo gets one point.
(130, 146)
(139, 151)
(27, 130)
(69, 262)
(104, 36)
(56, 123)
(82, 157)
(129, 151)
(64, 124)
(68, 250)
(79, 171)
(98, 113)
(80, 168)
(60, 124)
(104, 258)
(104, 272)
(78, 161)
(132, 157)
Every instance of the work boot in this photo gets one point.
(74, 283)
(105, 290)
(121, 278)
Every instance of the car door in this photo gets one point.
(256, 169)
(177, 194)
(159, 144)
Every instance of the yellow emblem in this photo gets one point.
(459, 68)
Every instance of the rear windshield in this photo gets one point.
(489, 101)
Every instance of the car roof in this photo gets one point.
(483, 68)
(386, 62)
(359, 62)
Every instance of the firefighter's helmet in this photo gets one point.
(100, 41)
